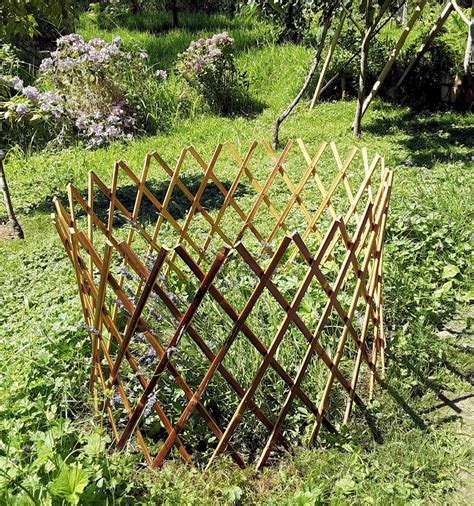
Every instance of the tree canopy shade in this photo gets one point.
(21, 18)
(368, 17)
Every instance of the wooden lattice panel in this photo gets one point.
(211, 300)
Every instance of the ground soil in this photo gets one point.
(6, 231)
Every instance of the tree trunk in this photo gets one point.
(370, 29)
(174, 12)
(8, 203)
(328, 59)
(290, 28)
(364, 54)
(468, 58)
(343, 86)
(312, 70)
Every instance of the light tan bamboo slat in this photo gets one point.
(230, 194)
(317, 178)
(296, 194)
(263, 192)
(221, 188)
(327, 198)
(135, 214)
(345, 179)
(372, 288)
(255, 184)
(197, 200)
(98, 315)
(292, 188)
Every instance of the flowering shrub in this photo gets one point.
(31, 105)
(96, 91)
(22, 105)
(87, 75)
(208, 66)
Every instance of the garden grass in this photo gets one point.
(46, 423)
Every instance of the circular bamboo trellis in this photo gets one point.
(242, 299)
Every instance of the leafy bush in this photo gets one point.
(96, 91)
(421, 88)
(88, 76)
(208, 66)
(22, 18)
(22, 105)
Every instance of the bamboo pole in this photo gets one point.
(328, 59)
(309, 77)
(396, 50)
(448, 8)
(460, 12)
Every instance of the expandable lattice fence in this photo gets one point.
(230, 308)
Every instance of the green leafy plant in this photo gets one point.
(208, 66)
(70, 484)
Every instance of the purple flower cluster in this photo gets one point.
(97, 90)
(16, 83)
(73, 53)
(205, 55)
(89, 75)
(148, 358)
(21, 109)
(51, 102)
(29, 101)
(150, 403)
(30, 92)
(97, 129)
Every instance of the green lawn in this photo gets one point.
(46, 422)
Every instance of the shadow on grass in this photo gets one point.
(241, 105)
(415, 417)
(425, 384)
(157, 21)
(430, 138)
(211, 199)
(163, 42)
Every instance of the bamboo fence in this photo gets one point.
(136, 248)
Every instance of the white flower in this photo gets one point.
(16, 83)
(161, 73)
(21, 109)
(30, 92)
